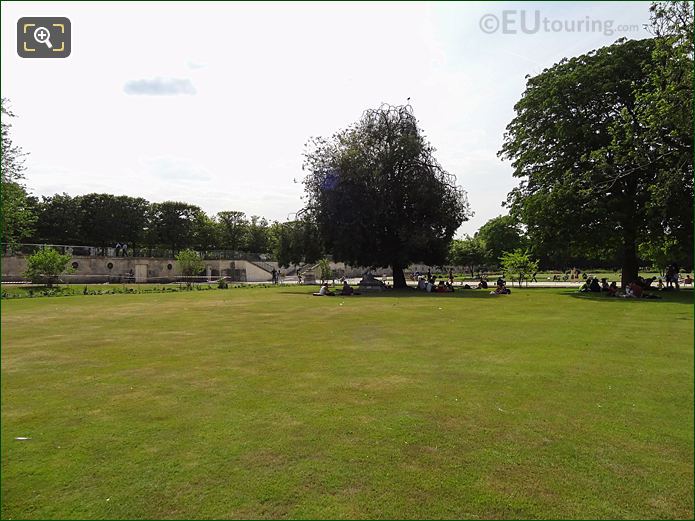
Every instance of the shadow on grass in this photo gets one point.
(413, 293)
(684, 296)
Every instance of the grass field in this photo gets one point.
(267, 402)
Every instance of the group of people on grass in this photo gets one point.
(345, 291)
(635, 289)
(430, 285)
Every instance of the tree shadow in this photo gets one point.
(683, 296)
(411, 293)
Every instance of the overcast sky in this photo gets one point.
(211, 103)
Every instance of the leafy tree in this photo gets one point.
(519, 264)
(205, 232)
(661, 254)
(45, 266)
(579, 144)
(58, 220)
(666, 143)
(378, 195)
(298, 242)
(233, 229)
(107, 219)
(189, 263)
(469, 252)
(17, 215)
(12, 155)
(257, 236)
(172, 224)
(498, 235)
(325, 270)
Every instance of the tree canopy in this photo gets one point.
(468, 252)
(378, 195)
(17, 217)
(498, 235)
(582, 143)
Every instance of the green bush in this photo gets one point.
(46, 266)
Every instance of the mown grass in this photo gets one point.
(267, 402)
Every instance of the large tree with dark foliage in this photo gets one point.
(583, 144)
(59, 220)
(107, 219)
(297, 242)
(378, 195)
(233, 227)
(173, 224)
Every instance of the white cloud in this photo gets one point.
(175, 169)
(160, 87)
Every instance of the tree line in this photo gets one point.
(103, 220)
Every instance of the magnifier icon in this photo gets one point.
(43, 35)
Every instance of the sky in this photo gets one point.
(212, 103)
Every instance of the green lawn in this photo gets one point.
(267, 402)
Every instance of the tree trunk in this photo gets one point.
(630, 260)
(398, 277)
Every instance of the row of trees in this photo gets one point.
(105, 219)
(504, 234)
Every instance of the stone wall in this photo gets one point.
(138, 269)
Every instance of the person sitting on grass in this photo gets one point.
(604, 284)
(688, 280)
(594, 286)
(482, 284)
(441, 288)
(645, 283)
(347, 289)
(501, 289)
(450, 287)
(634, 290)
(430, 287)
(584, 287)
(324, 291)
(612, 289)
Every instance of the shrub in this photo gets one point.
(189, 263)
(46, 266)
